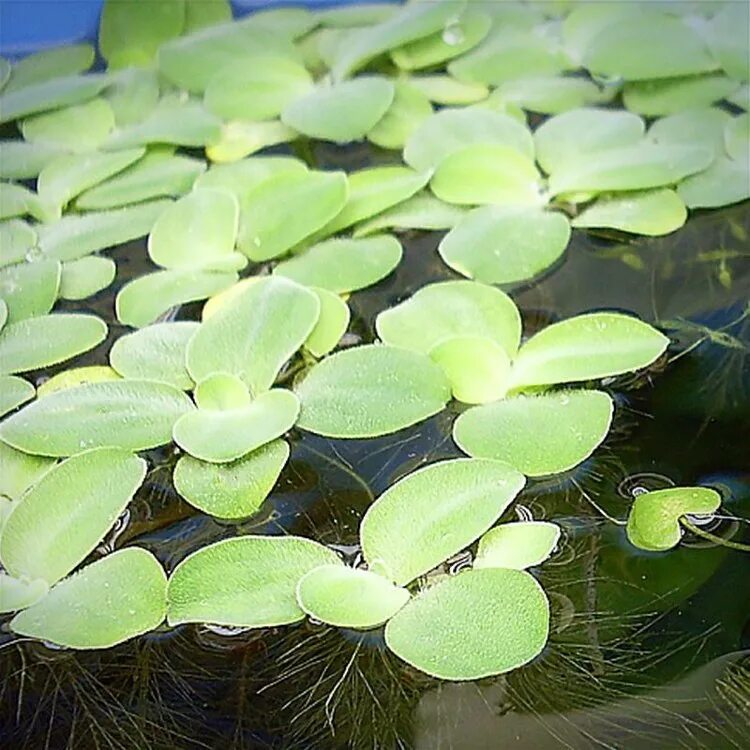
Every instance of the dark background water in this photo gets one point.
(647, 650)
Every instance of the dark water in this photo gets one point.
(647, 650)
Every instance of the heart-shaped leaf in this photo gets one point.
(518, 545)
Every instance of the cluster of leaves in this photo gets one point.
(445, 84)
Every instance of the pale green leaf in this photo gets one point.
(442, 89)
(725, 182)
(222, 391)
(587, 347)
(202, 13)
(370, 390)
(156, 352)
(76, 376)
(84, 277)
(409, 109)
(129, 414)
(239, 139)
(248, 581)
(34, 343)
(233, 490)
(22, 161)
(243, 176)
(694, 127)
(551, 95)
(433, 513)
(332, 323)
(16, 593)
(79, 128)
(654, 520)
(143, 300)
(19, 471)
(451, 308)
(504, 245)
(114, 599)
(5, 69)
(67, 513)
(475, 624)
(17, 200)
(133, 94)
(255, 333)
(349, 598)
(538, 435)
(728, 40)
(352, 16)
(29, 289)
(49, 64)
(343, 265)
(422, 211)
(17, 239)
(737, 138)
(14, 391)
(672, 95)
(518, 545)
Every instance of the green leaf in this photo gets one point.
(370, 390)
(725, 182)
(242, 177)
(129, 414)
(349, 598)
(373, 190)
(408, 110)
(22, 161)
(222, 391)
(343, 265)
(538, 435)
(672, 95)
(458, 36)
(154, 176)
(247, 582)
(70, 175)
(156, 352)
(587, 347)
(202, 13)
(652, 46)
(332, 323)
(728, 41)
(694, 127)
(566, 141)
(635, 167)
(84, 277)
(518, 545)
(75, 236)
(341, 112)
(737, 137)
(68, 512)
(260, 89)
(133, 94)
(433, 513)
(34, 343)
(504, 245)
(442, 89)
(29, 289)
(254, 334)
(17, 200)
(652, 212)
(198, 232)
(221, 436)
(451, 308)
(141, 301)
(551, 95)
(472, 625)
(76, 376)
(18, 594)
(5, 69)
(130, 36)
(233, 490)
(452, 130)
(17, 239)
(476, 366)
(19, 471)
(3, 313)
(50, 64)
(238, 139)
(352, 16)
(488, 173)
(14, 391)
(654, 520)
(114, 599)
(422, 211)
(312, 198)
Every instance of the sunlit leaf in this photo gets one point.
(130, 36)
(16, 593)
(349, 598)
(725, 182)
(154, 176)
(652, 213)
(29, 289)
(231, 490)
(474, 624)
(343, 265)
(76, 376)
(341, 112)
(476, 366)
(144, 299)
(587, 347)
(409, 108)
(67, 513)
(84, 277)
(422, 211)
(17, 238)
(442, 89)
(129, 414)
(248, 581)
(255, 333)
(654, 520)
(221, 391)
(332, 323)
(433, 513)
(451, 308)
(503, 245)
(33, 343)
(114, 599)
(50, 64)
(75, 236)
(517, 545)
(538, 435)
(156, 352)
(21, 161)
(19, 471)
(671, 95)
(79, 128)
(14, 391)
(221, 436)
(488, 173)
(370, 390)
(452, 130)
(312, 198)
(239, 139)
